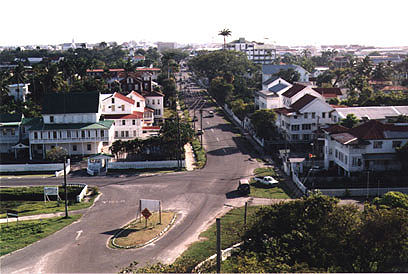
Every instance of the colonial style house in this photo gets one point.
(299, 121)
(270, 97)
(370, 146)
(72, 121)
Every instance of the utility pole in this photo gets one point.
(201, 124)
(65, 188)
(178, 143)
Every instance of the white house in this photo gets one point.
(72, 121)
(19, 91)
(297, 91)
(269, 70)
(270, 97)
(299, 121)
(370, 146)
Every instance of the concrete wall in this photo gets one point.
(33, 167)
(144, 164)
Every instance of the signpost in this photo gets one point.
(146, 213)
(151, 206)
(11, 213)
(51, 191)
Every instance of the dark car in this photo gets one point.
(243, 186)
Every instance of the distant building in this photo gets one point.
(257, 52)
(19, 91)
(161, 46)
(270, 70)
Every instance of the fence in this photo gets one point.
(234, 117)
(83, 192)
(298, 183)
(145, 164)
(35, 167)
(361, 191)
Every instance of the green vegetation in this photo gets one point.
(138, 233)
(199, 153)
(30, 200)
(232, 229)
(15, 235)
(263, 191)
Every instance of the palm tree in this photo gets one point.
(225, 33)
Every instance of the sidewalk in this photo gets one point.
(42, 216)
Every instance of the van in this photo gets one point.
(243, 186)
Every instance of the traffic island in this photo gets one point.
(143, 231)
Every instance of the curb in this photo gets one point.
(112, 239)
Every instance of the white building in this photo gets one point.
(370, 146)
(72, 121)
(380, 113)
(19, 91)
(257, 52)
(9, 131)
(270, 97)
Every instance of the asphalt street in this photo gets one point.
(198, 197)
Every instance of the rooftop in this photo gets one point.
(296, 88)
(303, 101)
(71, 102)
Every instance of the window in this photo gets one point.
(88, 133)
(133, 122)
(138, 104)
(102, 133)
(126, 133)
(295, 127)
(68, 134)
(323, 114)
(330, 151)
(295, 137)
(306, 136)
(153, 101)
(113, 100)
(313, 115)
(355, 161)
(123, 122)
(396, 144)
(88, 146)
(123, 107)
(345, 159)
(134, 133)
(337, 153)
(122, 134)
(74, 147)
(113, 107)
(54, 135)
(158, 101)
(305, 115)
(83, 134)
(116, 134)
(330, 115)
(306, 127)
(35, 135)
(377, 144)
(51, 119)
(295, 117)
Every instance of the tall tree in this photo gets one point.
(225, 33)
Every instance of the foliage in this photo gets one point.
(350, 121)
(290, 75)
(263, 121)
(56, 154)
(241, 109)
(225, 33)
(315, 234)
(392, 199)
(221, 89)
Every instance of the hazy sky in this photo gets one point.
(287, 22)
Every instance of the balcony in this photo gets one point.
(69, 140)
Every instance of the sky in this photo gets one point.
(287, 22)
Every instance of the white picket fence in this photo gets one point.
(298, 182)
(361, 191)
(81, 195)
(145, 164)
(58, 168)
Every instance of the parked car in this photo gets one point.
(211, 113)
(243, 187)
(267, 180)
(200, 132)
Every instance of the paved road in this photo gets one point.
(196, 196)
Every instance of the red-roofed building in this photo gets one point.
(369, 146)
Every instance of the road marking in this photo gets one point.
(208, 123)
(78, 234)
(212, 130)
(217, 139)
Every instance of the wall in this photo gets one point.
(72, 118)
(361, 191)
(33, 167)
(144, 164)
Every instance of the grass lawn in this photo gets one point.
(263, 191)
(16, 236)
(28, 207)
(199, 153)
(137, 233)
(232, 228)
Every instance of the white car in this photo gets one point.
(267, 180)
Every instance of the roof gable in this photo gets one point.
(72, 102)
(295, 89)
(135, 94)
(328, 92)
(124, 98)
(303, 101)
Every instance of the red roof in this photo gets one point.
(124, 98)
(284, 111)
(328, 92)
(152, 127)
(135, 115)
(339, 106)
(295, 89)
(148, 109)
(335, 129)
(394, 88)
(302, 102)
(147, 69)
(101, 70)
(373, 129)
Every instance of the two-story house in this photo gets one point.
(370, 146)
(72, 121)
(10, 133)
(299, 121)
